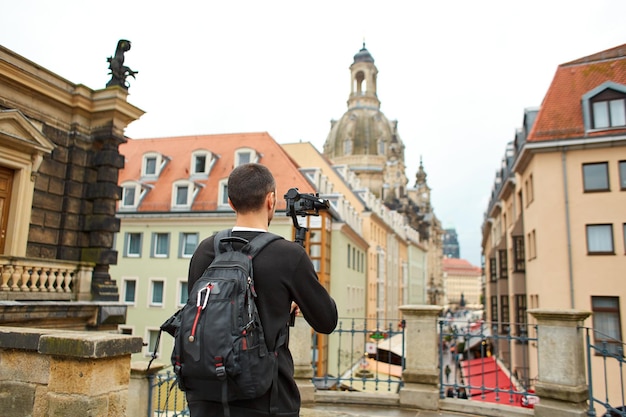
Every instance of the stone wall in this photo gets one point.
(64, 374)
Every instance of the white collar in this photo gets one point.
(247, 229)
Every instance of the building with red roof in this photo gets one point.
(174, 194)
(554, 233)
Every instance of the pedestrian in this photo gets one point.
(447, 371)
(285, 280)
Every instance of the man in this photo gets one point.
(283, 275)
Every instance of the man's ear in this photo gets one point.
(230, 203)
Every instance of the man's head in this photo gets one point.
(251, 188)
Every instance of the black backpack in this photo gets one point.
(220, 340)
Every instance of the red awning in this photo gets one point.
(484, 376)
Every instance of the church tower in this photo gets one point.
(364, 139)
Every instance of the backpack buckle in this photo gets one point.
(220, 370)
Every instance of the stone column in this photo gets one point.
(421, 376)
(561, 384)
(141, 381)
(300, 347)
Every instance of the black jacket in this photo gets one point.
(283, 273)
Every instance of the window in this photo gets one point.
(348, 255)
(347, 147)
(201, 163)
(622, 175)
(153, 164)
(520, 314)
(189, 242)
(183, 292)
(160, 245)
(150, 168)
(494, 309)
(532, 245)
(132, 245)
(504, 310)
(381, 147)
(132, 194)
(199, 167)
(518, 254)
(600, 239)
(245, 156)
(606, 323)
(183, 194)
(530, 192)
(493, 274)
(596, 177)
(128, 196)
(609, 113)
(223, 195)
(152, 338)
(156, 293)
(502, 261)
(130, 286)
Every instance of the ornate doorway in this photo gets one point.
(6, 181)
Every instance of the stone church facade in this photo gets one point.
(369, 144)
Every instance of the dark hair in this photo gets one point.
(248, 185)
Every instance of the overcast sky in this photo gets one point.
(456, 75)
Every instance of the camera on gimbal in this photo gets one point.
(299, 204)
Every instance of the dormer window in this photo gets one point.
(245, 156)
(183, 194)
(132, 194)
(604, 107)
(609, 113)
(153, 164)
(201, 163)
(222, 198)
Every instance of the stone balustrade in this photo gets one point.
(44, 280)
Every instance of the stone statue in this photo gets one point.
(119, 71)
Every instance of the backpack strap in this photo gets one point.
(281, 340)
(259, 242)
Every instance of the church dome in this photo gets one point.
(363, 131)
(363, 55)
(363, 138)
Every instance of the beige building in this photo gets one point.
(555, 228)
(462, 283)
(394, 259)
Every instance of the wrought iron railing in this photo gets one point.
(608, 392)
(364, 355)
(485, 362)
(166, 399)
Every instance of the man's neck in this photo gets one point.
(252, 222)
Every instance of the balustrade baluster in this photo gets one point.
(53, 281)
(15, 278)
(69, 278)
(25, 278)
(35, 275)
(6, 275)
(43, 279)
